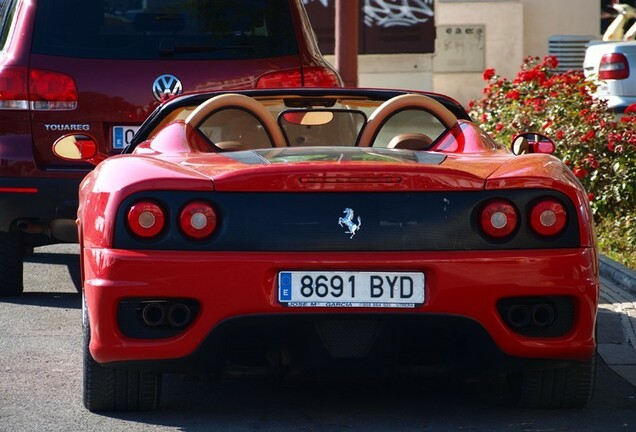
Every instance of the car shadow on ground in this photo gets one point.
(46, 299)
(69, 259)
(435, 403)
(261, 404)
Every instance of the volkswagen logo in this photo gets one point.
(166, 86)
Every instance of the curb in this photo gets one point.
(616, 339)
(617, 273)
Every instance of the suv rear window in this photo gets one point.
(164, 29)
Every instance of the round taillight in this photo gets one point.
(499, 219)
(548, 217)
(197, 220)
(146, 219)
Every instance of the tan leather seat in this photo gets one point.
(410, 141)
(230, 145)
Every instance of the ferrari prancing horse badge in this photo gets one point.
(348, 221)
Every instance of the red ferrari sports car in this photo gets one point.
(332, 227)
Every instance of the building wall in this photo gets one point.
(504, 43)
(544, 18)
(513, 30)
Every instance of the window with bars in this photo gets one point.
(385, 27)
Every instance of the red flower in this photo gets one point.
(512, 94)
(499, 126)
(630, 109)
(588, 136)
(560, 134)
(591, 161)
(579, 172)
(488, 74)
(551, 61)
(590, 196)
(531, 75)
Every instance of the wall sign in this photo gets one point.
(459, 48)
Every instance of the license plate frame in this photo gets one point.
(351, 289)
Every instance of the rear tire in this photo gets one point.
(11, 264)
(566, 387)
(111, 389)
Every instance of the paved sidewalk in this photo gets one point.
(617, 318)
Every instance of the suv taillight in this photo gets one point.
(51, 90)
(13, 89)
(613, 66)
(307, 77)
(47, 90)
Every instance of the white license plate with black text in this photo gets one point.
(122, 136)
(351, 289)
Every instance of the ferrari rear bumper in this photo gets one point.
(468, 287)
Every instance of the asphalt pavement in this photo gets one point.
(617, 318)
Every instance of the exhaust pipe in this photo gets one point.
(32, 227)
(543, 315)
(154, 314)
(519, 315)
(179, 315)
(64, 230)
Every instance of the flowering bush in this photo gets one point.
(599, 148)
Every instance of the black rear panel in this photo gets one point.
(395, 221)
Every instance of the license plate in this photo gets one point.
(122, 135)
(351, 289)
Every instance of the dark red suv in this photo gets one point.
(100, 67)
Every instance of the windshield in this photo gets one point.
(165, 29)
(329, 121)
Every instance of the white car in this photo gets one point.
(611, 64)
